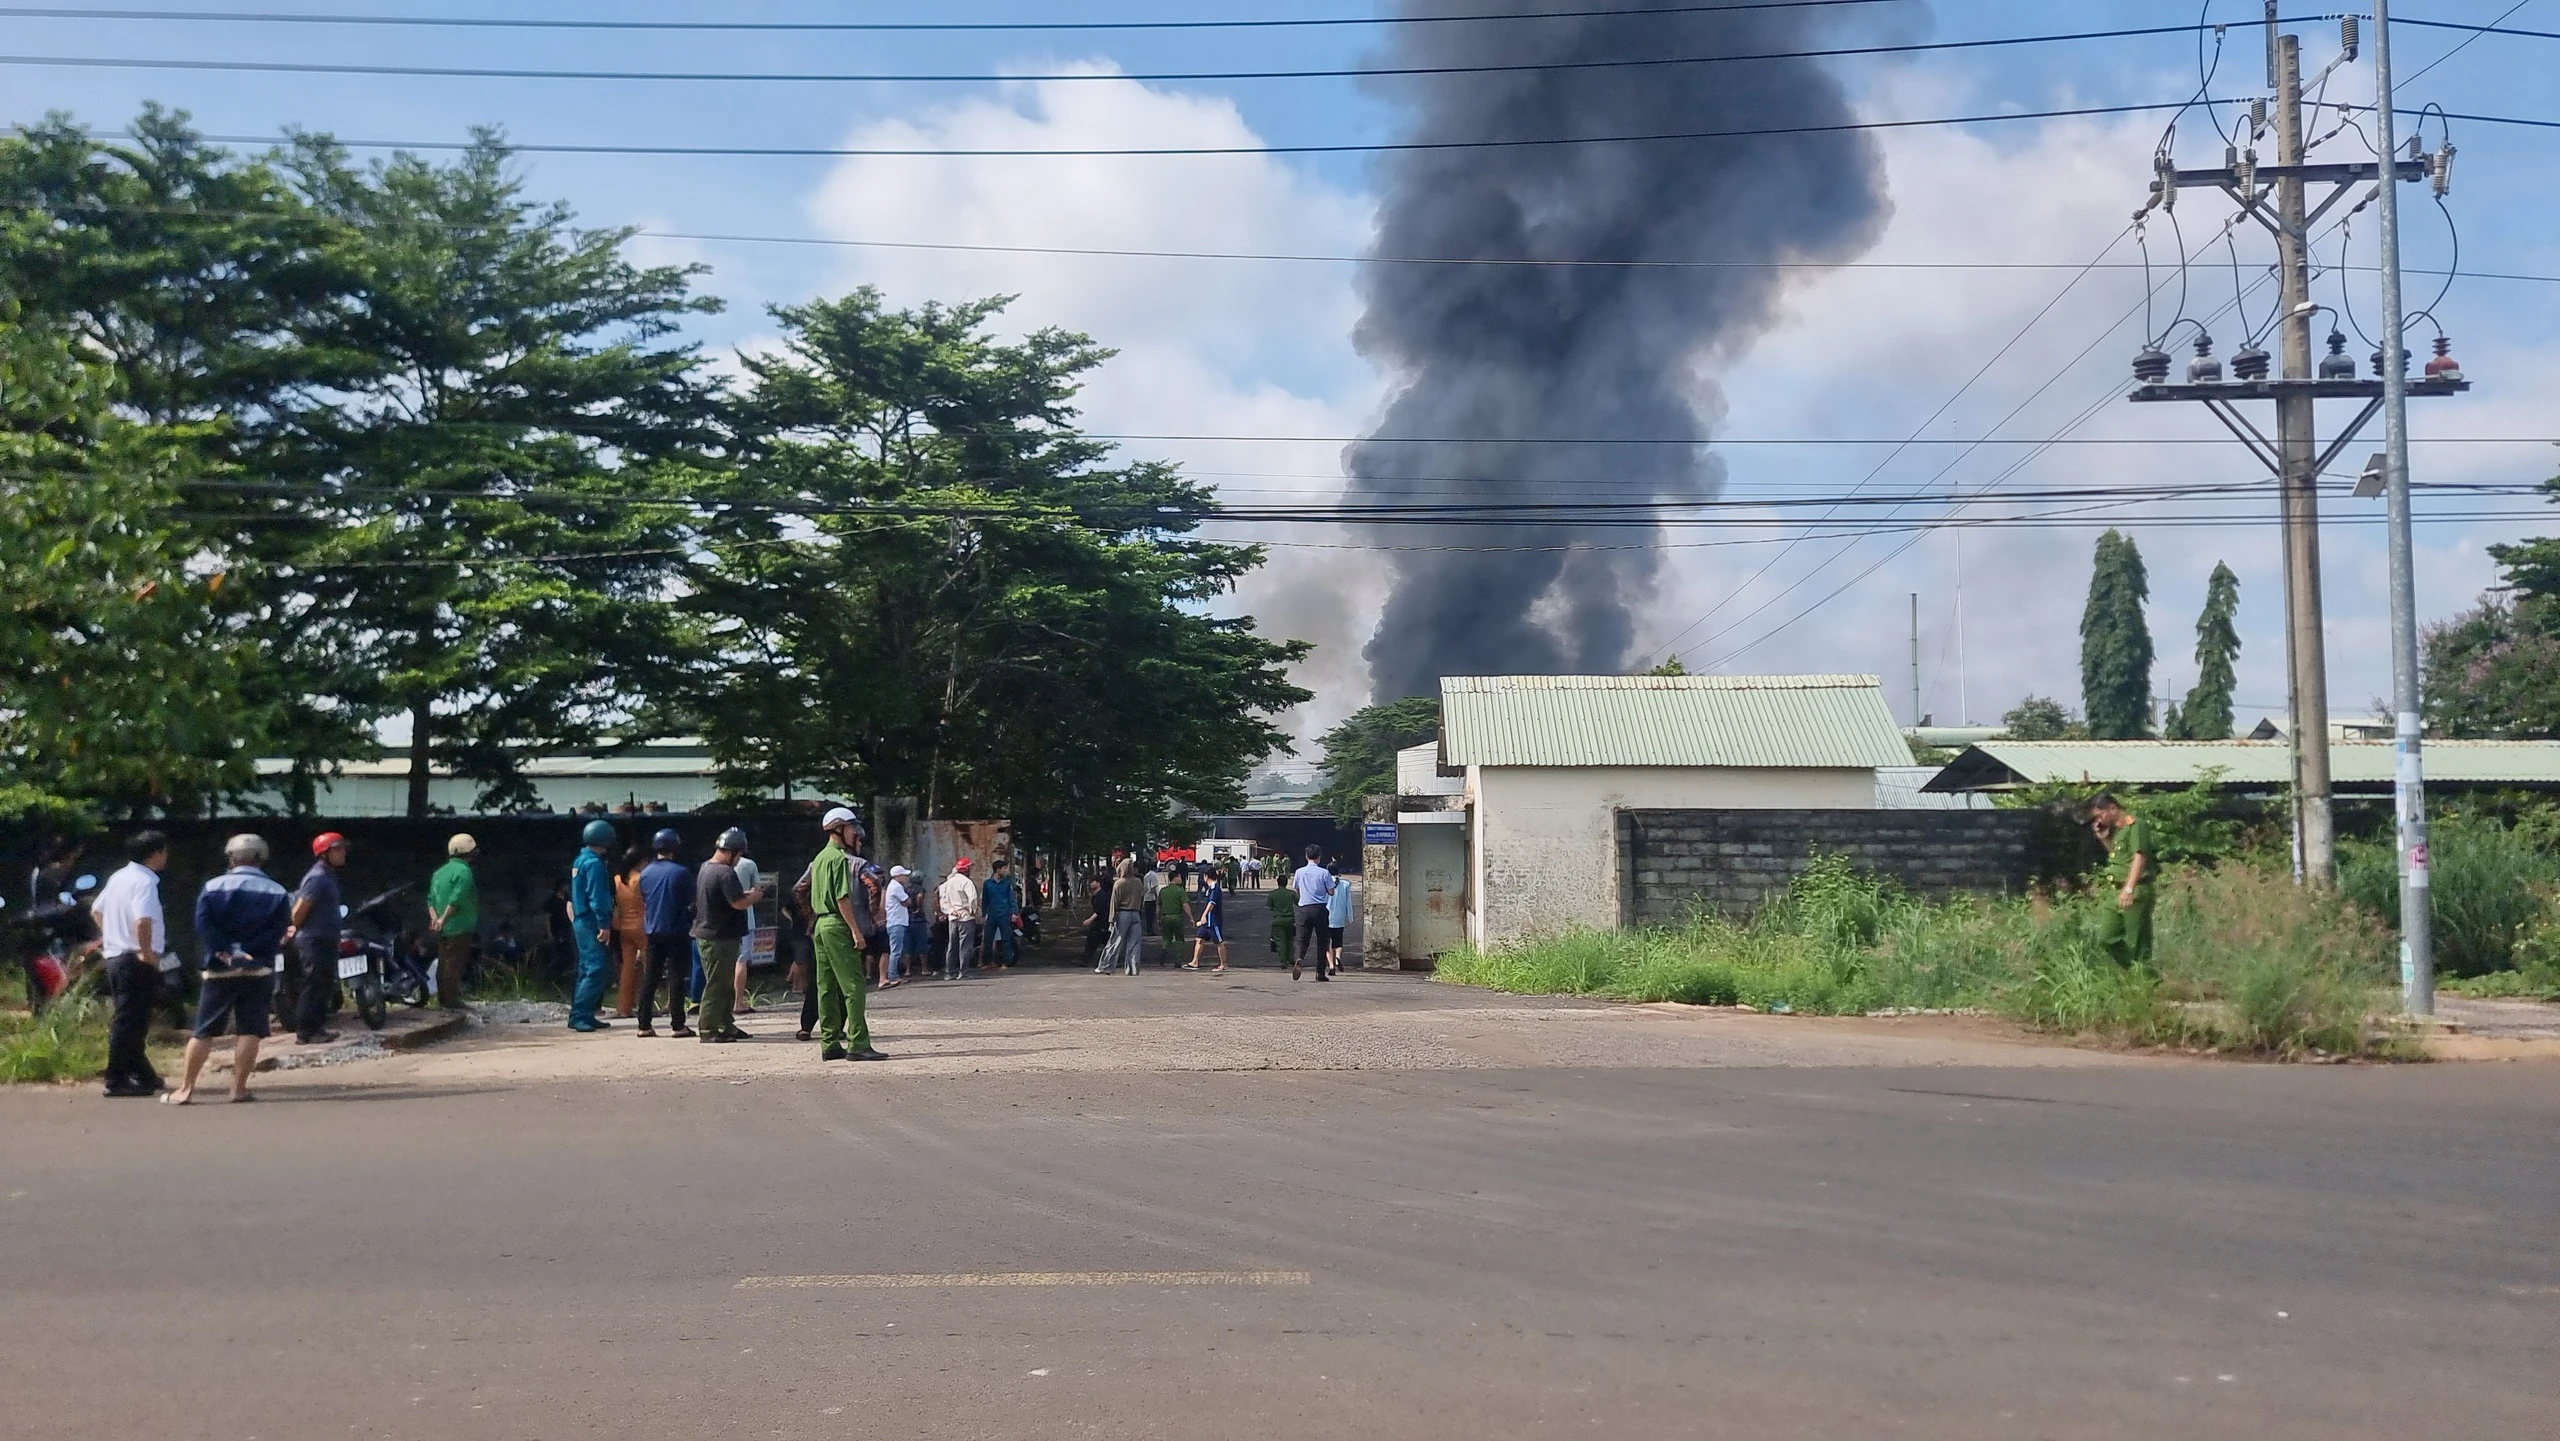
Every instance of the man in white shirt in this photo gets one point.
(133, 937)
(959, 897)
(1314, 885)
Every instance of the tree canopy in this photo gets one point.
(2041, 718)
(921, 580)
(2115, 644)
(323, 446)
(1360, 754)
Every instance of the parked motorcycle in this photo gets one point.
(371, 964)
(49, 937)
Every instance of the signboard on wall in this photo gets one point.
(1376, 833)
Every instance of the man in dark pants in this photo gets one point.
(1314, 887)
(240, 920)
(133, 936)
(314, 939)
(666, 917)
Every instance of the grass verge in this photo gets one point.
(2247, 962)
(68, 1042)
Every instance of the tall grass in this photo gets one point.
(2246, 961)
(68, 1042)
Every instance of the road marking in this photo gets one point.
(1034, 1278)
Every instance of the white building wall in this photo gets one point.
(1545, 846)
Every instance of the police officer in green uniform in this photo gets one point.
(842, 1028)
(2125, 928)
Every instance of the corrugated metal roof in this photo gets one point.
(2243, 763)
(1695, 720)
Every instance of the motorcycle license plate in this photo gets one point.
(350, 967)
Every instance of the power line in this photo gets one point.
(1291, 257)
(1341, 148)
(769, 77)
(891, 27)
(463, 22)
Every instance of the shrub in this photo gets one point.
(2488, 881)
(2246, 961)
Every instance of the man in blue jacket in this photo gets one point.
(241, 917)
(666, 917)
(591, 923)
(1001, 899)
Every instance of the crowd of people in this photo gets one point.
(267, 957)
(1187, 900)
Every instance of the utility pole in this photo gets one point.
(2306, 652)
(1915, 658)
(1964, 696)
(2408, 785)
(2276, 197)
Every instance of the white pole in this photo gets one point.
(2408, 786)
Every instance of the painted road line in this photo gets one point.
(1033, 1278)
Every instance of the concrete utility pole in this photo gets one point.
(2275, 196)
(1915, 657)
(2409, 786)
(2306, 652)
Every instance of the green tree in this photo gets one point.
(2494, 670)
(198, 277)
(922, 580)
(1360, 754)
(494, 485)
(2206, 715)
(2041, 718)
(2115, 644)
(120, 672)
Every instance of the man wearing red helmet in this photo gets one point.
(313, 937)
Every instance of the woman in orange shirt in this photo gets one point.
(630, 930)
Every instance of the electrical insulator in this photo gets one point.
(2257, 117)
(2166, 171)
(2248, 362)
(2377, 360)
(2204, 369)
(2151, 365)
(2444, 366)
(2335, 365)
(2248, 173)
(2347, 35)
(2443, 169)
(2230, 157)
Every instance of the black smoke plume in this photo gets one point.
(1489, 356)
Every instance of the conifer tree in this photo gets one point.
(2115, 644)
(2206, 716)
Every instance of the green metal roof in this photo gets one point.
(1829, 721)
(2364, 765)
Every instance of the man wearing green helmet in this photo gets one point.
(591, 921)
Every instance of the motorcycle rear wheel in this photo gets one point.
(369, 1002)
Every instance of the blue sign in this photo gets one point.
(1375, 834)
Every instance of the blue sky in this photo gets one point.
(1226, 347)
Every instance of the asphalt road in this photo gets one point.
(2191, 1251)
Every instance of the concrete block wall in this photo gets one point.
(1671, 861)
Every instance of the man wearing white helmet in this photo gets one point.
(843, 1030)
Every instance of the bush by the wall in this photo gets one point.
(2246, 961)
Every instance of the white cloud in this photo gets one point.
(1206, 347)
